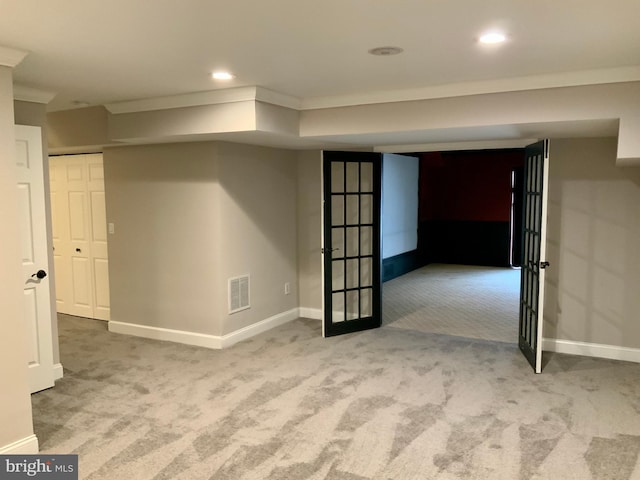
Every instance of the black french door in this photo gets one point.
(352, 242)
(533, 252)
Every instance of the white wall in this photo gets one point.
(15, 402)
(593, 245)
(399, 204)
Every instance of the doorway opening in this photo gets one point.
(462, 281)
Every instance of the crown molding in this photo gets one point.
(515, 84)
(255, 93)
(276, 98)
(10, 57)
(28, 94)
(212, 97)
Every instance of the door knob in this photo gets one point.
(78, 250)
(40, 274)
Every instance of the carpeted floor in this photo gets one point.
(382, 404)
(461, 300)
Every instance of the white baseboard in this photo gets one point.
(256, 328)
(58, 371)
(202, 339)
(26, 446)
(591, 349)
(157, 333)
(313, 313)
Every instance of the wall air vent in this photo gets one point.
(239, 294)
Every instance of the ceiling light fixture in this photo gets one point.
(223, 76)
(385, 51)
(491, 38)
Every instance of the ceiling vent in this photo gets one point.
(238, 294)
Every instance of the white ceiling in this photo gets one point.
(100, 51)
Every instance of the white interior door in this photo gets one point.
(80, 235)
(98, 236)
(34, 255)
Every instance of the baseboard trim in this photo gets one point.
(598, 350)
(260, 327)
(312, 313)
(202, 339)
(58, 371)
(167, 334)
(26, 446)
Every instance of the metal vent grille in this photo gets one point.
(239, 294)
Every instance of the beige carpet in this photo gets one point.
(459, 300)
(385, 404)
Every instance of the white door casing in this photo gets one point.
(34, 256)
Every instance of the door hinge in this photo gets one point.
(544, 264)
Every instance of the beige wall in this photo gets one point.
(83, 130)
(15, 402)
(175, 122)
(593, 238)
(309, 229)
(187, 217)
(35, 114)
(506, 110)
(256, 221)
(162, 261)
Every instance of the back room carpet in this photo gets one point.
(382, 404)
(461, 300)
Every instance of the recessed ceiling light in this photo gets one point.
(385, 51)
(223, 76)
(492, 37)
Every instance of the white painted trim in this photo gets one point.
(277, 98)
(255, 93)
(598, 350)
(167, 334)
(516, 84)
(260, 327)
(442, 147)
(10, 57)
(202, 339)
(313, 313)
(58, 371)
(26, 446)
(212, 97)
(28, 94)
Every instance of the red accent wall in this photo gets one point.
(467, 185)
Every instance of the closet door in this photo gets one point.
(98, 236)
(80, 235)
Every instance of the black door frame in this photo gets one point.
(331, 328)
